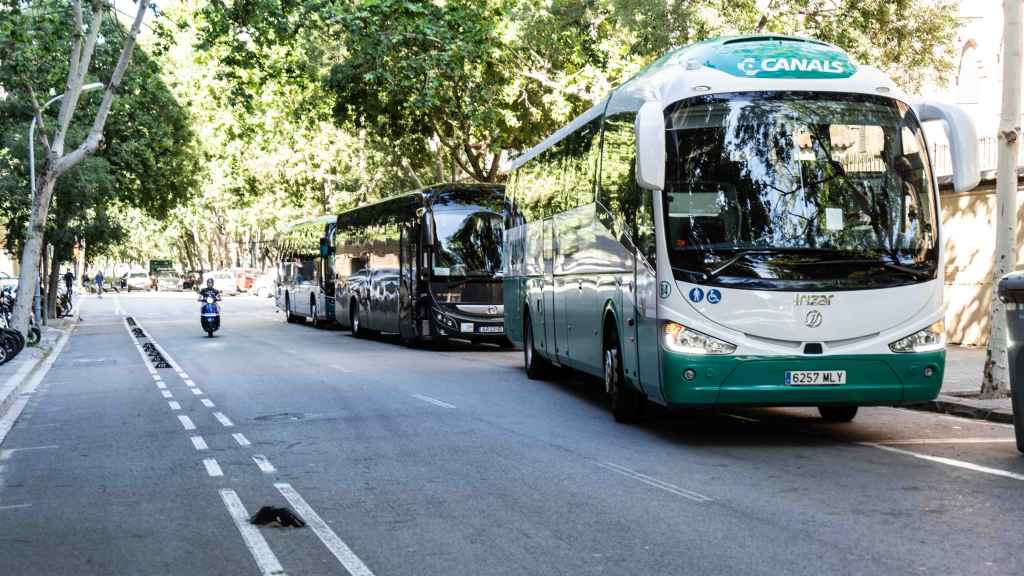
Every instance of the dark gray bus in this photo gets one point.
(424, 265)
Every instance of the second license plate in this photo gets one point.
(492, 329)
(816, 377)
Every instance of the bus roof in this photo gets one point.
(753, 63)
(434, 193)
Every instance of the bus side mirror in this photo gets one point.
(650, 146)
(325, 248)
(428, 228)
(963, 141)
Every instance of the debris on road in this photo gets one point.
(275, 517)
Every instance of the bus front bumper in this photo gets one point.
(871, 380)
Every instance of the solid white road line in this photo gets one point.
(14, 410)
(199, 443)
(207, 402)
(946, 441)
(948, 461)
(241, 439)
(196, 391)
(254, 541)
(224, 420)
(189, 383)
(263, 463)
(212, 467)
(14, 506)
(174, 405)
(341, 551)
(183, 375)
(433, 401)
(6, 453)
(186, 422)
(166, 394)
(650, 481)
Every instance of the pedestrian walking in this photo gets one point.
(99, 283)
(69, 281)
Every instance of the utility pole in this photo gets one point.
(996, 380)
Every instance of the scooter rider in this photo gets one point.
(209, 290)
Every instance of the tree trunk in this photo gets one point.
(53, 282)
(996, 379)
(32, 249)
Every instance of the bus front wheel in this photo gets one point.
(536, 367)
(627, 403)
(837, 413)
(355, 321)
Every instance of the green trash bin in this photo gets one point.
(1011, 292)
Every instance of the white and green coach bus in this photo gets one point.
(747, 221)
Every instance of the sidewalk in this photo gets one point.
(15, 372)
(960, 387)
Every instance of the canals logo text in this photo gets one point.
(753, 67)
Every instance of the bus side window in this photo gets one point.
(618, 193)
(644, 235)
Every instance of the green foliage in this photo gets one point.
(147, 159)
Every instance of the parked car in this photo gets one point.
(224, 280)
(192, 280)
(168, 282)
(138, 281)
(265, 285)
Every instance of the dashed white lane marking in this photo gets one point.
(15, 506)
(212, 467)
(254, 541)
(207, 402)
(174, 405)
(433, 401)
(14, 411)
(974, 421)
(341, 551)
(6, 453)
(650, 481)
(946, 441)
(186, 422)
(183, 375)
(166, 394)
(161, 385)
(224, 420)
(157, 377)
(947, 461)
(190, 383)
(241, 439)
(196, 391)
(265, 466)
(199, 443)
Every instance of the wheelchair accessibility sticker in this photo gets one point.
(714, 296)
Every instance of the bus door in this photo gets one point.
(648, 327)
(550, 313)
(407, 289)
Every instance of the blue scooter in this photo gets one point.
(209, 314)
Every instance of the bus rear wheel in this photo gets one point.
(537, 368)
(837, 413)
(627, 403)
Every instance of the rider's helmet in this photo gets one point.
(209, 282)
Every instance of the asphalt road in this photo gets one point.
(409, 462)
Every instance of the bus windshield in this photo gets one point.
(798, 191)
(468, 243)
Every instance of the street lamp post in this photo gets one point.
(37, 312)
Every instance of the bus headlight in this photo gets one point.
(930, 339)
(679, 338)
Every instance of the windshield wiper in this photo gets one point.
(708, 276)
(888, 264)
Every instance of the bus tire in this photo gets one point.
(358, 331)
(288, 315)
(626, 402)
(314, 317)
(837, 413)
(537, 368)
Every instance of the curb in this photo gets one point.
(965, 408)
